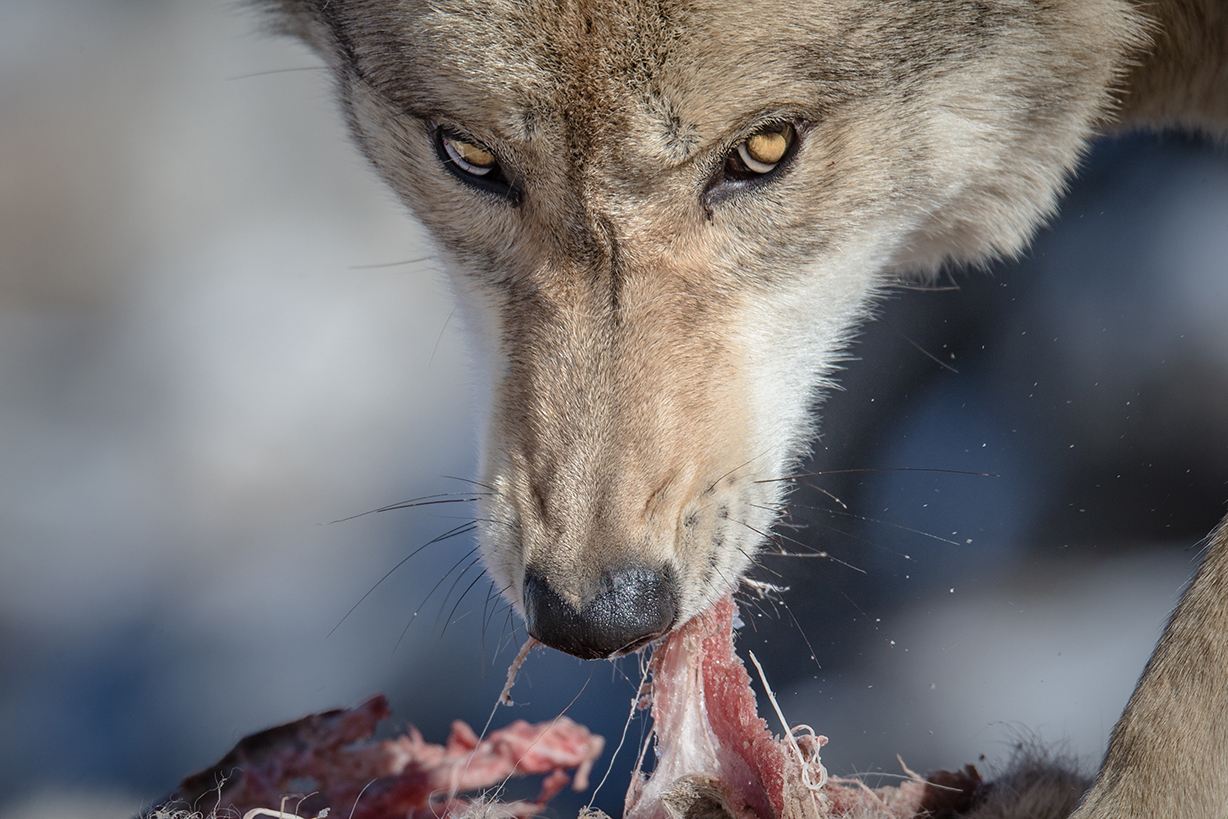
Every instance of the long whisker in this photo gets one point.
(509, 629)
(506, 523)
(870, 470)
(272, 71)
(487, 614)
(413, 503)
(922, 350)
(439, 338)
(471, 481)
(402, 263)
(759, 565)
(429, 595)
(813, 654)
(729, 585)
(735, 469)
(451, 533)
(459, 600)
(745, 601)
(811, 553)
(862, 540)
(881, 522)
(822, 555)
(829, 494)
(872, 544)
(918, 288)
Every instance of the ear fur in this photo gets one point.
(300, 19)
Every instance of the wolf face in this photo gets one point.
(664, 219)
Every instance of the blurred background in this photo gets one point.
(207, 353)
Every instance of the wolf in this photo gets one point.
(663, 221)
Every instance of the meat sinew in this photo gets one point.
(717, 758)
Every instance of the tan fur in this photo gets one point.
(1182, 81)
(654, 354)
(1169, 753)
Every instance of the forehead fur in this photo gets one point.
(517, 69)
(678, 74)
(973, 108)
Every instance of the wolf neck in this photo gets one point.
(1182, 82)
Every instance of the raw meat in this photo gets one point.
(332, 757)
(717, 758)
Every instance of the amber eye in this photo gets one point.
(755, 161)
(469, 157)
(473, 164)
(761, 153)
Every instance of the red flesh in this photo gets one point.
(702, 699)
(333, 755)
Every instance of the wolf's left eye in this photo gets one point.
(472, 163)
(471, 158)
(754, 161)
(761, 153)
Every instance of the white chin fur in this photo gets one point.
(793, 340)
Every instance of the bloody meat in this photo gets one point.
(717, 758)
(332, 757)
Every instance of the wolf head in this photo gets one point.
(664, 219)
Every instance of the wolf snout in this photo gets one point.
(631, 607)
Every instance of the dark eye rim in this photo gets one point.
(495, 182)
(724, 185)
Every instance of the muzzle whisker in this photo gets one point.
(810, 553)
(272, 72)
(460, 599)
(819, 555)
(508, 627)
(881, 522)
(874, 470)
(451, 533)
(401, 263)
(813, 654)
(713, 485)
(754, 562)
(487, 613)
(828, 493)
(431, 594)
(413, 503)
(742, 601)
(471, 481)
(476, 558)
(729, 585)
(827, 527)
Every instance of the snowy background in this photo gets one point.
(202, 363)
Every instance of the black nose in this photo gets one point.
(632, 607)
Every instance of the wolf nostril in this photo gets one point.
(633, 606)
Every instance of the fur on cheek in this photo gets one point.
(793, 341)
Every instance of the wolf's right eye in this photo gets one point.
(754, 161)
(761, 153)
(472, 164)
